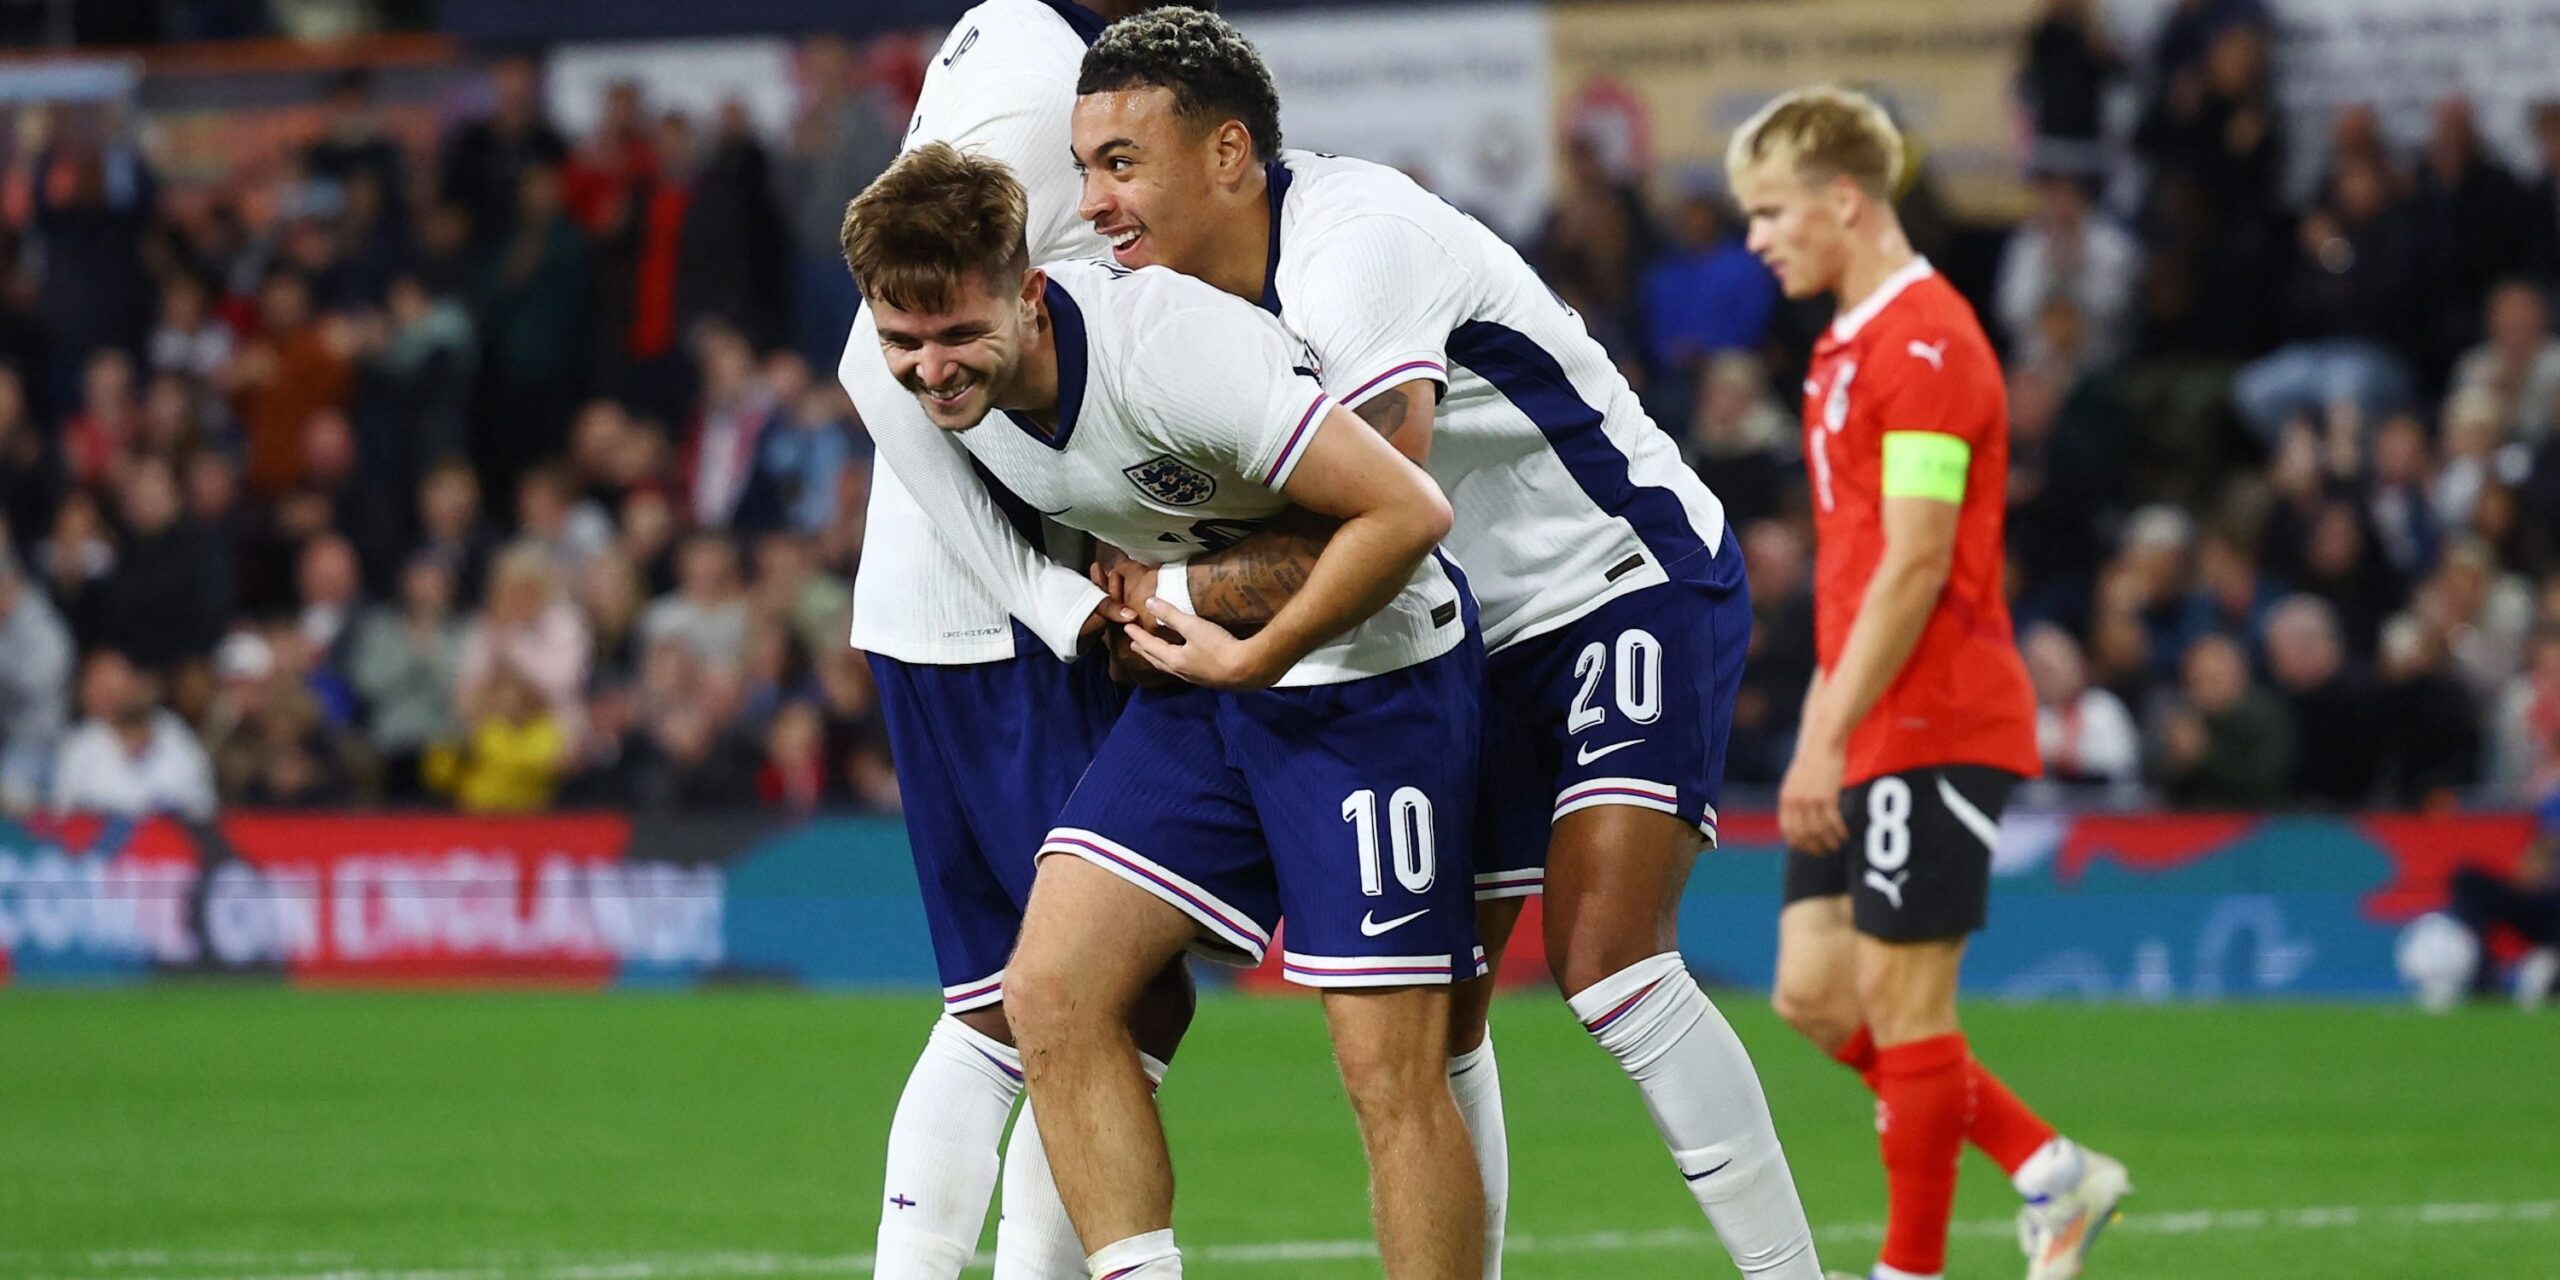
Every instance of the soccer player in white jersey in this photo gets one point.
(1323, 767)
(1614, 606)
(979, 703)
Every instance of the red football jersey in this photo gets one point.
(1913, 357)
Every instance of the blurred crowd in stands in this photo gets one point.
(515, 476)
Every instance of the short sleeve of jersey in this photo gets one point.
(1376, 297)
(1930, 378)
(1220, 383)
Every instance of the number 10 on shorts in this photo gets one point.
(1408, 836)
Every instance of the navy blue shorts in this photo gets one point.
(987, 753)
(1345, 808)
(1629, 704)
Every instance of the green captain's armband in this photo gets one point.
(1925, 464)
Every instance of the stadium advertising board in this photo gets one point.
(1660, 86)
(2131, 907)
(1452, 95)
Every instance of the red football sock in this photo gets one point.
(1858, 1053)
(2006, 1129)
(1924, 1098)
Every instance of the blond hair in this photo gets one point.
(937, 215)
(1823, 132)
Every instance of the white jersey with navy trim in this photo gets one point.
(1181, 414)
(944, 588)
(1567, 495)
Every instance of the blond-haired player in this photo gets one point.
(1920, 719)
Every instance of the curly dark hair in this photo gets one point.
(1213, 71)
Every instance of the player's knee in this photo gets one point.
(1825, 1021)
(1039, 998)
(1385, 1084)
(1580, 959)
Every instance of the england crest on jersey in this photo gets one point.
(1171, 481)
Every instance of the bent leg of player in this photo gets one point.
(1035, 1239)
(1475, 1077)
(1027, 726)
(1917, 870)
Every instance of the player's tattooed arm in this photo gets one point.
(1244, 586)
(1402, 416)
(1388, 412)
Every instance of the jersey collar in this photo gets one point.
(1066, 323)
(1088, 24)
(1276, 180)
(1847, 325)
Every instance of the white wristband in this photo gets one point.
(1173, 584)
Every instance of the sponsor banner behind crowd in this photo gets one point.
(1456, 96)
(1659, 87)
(2138, 907)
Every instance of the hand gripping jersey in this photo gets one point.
(1567, 495)
(1905, 397)
(1181, 414)
(1003, 84)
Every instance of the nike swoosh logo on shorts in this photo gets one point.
(1370, 928)
(1585, 755)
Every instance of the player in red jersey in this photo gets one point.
(1920, 719)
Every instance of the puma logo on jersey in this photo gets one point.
(1933, 352)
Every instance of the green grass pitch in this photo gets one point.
(230, 1132)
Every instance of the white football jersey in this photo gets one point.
(1567, 495)
(1181, 414)
(944, 588)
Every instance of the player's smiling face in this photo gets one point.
(1150, 176)
(959, 359)
(1796, 226)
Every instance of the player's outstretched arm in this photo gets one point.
(1392, 515)
(1919, 551)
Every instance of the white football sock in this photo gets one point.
(1706, 1101)
(1883, 1272)
(1147, 1257)
(1034, 1238)
(1476, 1080)
(942, 1153)
(2054, 1168)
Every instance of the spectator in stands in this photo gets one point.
(2349, 293)
(2187, 35)
(330, 586)
(844, 135)
(93, 199)
(2066, 249)
(611, 597)
(2480, 614)
(2069, 64)
(2355, 136)
(690, 751)
(2231, 597)
(639, 289)
(485, 161)
(551, 514)
(2474, 445)
(406, 660)
(2433, 750)
(1741, 440)
(736, 253)
(190, 338)
(791, 586)
(857, 738)
(129, 756)
(2084, 733)
(2517, 366)
(96, 439)
(2399, 502)
(2216, 146)
(538, 335)
(1779, 662)
(649, 532)
(2339, 564)
(707, 612)
(528, 627)
(269, 736)
(2068, 432)
(1596, 237)
(2475, 226)
(74, 560)
(2524, 736)
(31, 474)
(2142, 600)
(803, 452)
(1705, 294)
(450, 526)
(737, 404)
(2227, 744)
(794, 775)
(352, 146)
(35, 687)
(165, 600)
(516, 755)
(2337, 736)
(291, 370)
